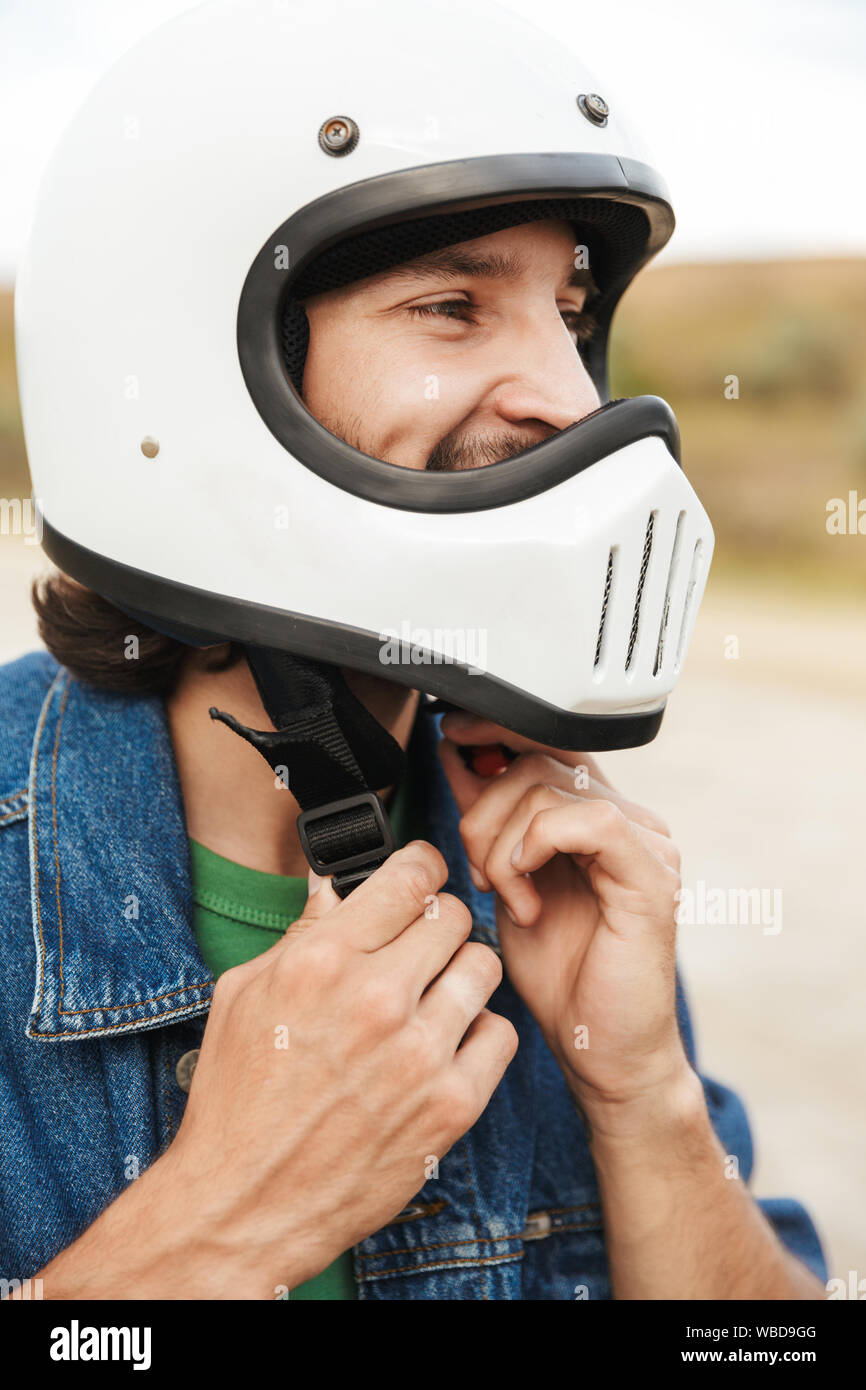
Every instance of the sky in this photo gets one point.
(755, 109)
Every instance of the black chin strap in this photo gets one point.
(330, 751)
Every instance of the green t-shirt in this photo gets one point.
(240, 912)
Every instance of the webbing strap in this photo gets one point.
(331, 753)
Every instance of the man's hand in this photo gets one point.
(333, 1068)
(585, 884)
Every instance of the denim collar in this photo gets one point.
(109, 860)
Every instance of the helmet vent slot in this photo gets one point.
(635, 622)
(666, 609)
(693, 580)
(608, 580)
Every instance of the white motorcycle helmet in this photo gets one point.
(250, 153)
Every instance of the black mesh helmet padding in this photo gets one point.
(614, 233)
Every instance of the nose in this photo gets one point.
(551, 385)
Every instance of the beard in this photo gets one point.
(453, 454)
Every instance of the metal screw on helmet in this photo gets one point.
(339, 135)
(149, 446)
(594, 107)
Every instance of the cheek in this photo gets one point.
(395, 398)
(421, 402)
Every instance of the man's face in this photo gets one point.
(461, 358)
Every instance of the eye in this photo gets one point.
(580, 325)
(459, 309)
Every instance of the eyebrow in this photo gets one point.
(450, 263)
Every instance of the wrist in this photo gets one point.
(211, 1248)
(666, 1110)
(159, 1240)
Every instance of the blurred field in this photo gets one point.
(766, 464)
(761, 761)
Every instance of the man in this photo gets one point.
(380, 1106)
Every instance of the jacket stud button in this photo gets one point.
(185, 1068)
(538, 1225)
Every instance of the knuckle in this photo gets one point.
(416, 880)
(225, 990)
(381, 1006)
(454, 1104)
(672, 857)
(508, 1036)
(428, 855)
(609, 815)
(538, 798)
(321, 959)
(421, 871)
(540, 766)
(417, 1047)
(672, 877)
(469, 829)
(484, 964)
(505, 1042)
(455, 914)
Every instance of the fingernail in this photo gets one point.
(477, 879)
(517, 851)
(314, 883)
(510, 915)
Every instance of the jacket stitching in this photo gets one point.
(167, 1090)
(10, 809)
(113, 1027)
(109, 1008)
(485, 1240)
(54, 828)
(471, 1187)
(439, 1264)
(99, 1008)
(442, 1245)
(38, 740)
(564, 1211)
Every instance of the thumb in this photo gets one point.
(321, 897)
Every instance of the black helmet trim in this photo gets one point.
(452, 187)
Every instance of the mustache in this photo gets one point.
(453, 454)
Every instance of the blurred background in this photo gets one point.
(755, 113)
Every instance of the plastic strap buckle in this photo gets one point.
(352, 868)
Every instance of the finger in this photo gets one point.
(487, 804)
(514, 884)
(321, 898)
(460, 992)
(622, 868)
(482, 1058)
(461, 727)
(385, 904)
(496, 800)
(423, 950)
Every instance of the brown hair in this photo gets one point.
(91, 638)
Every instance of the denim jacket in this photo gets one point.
(104, 989)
